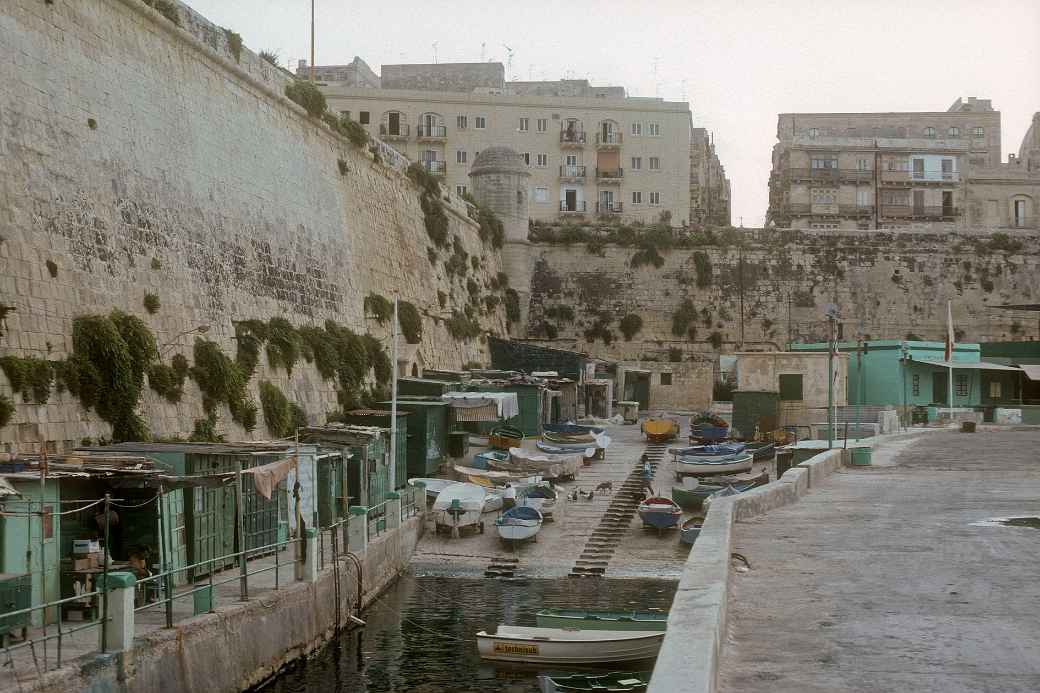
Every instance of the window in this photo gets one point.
(637, 129)
(525, 124)
(461, 122)
(814, 132)
(655, 199)
(953, 131)
(364, 118)
(460, 157)
(572, 160)
(541, 194)
(637, 163)
(460, 190)
(791, 387)
(862, 165)
(666, 378)
(977, 132)
(655, 163)
(345, 114)
(960, 384)
(995, 390)
(831, 162)
(526, 156)
(824, 196)
(543, 124)
(542, 160)
(637, 197)
(653, 129)
(863, 198)
(915, 385)
(480, 122)
(947, 169)
(929, 132)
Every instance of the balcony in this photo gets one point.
(610, 175)
(577, 207)
(830, 175)
(432, 133)
(931, 213)
(608, 140)
(572, 139)
(435, 168)
(393, 134)
(805, 209)
(572, 173)
(608, 207)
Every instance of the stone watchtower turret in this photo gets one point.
(499, 181)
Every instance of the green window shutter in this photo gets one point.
(791, 387)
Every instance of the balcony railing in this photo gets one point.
(919, 212)
(608, 139)
(610, 174)
(400, 132)
(801, 208)
(831, 174)
(573, 172)
(432, 132)
(609, 207)
(436, 168)
(577, 207)
(572, 138)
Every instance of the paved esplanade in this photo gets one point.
(878, 580)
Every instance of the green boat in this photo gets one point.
(614, 681)
(585, 619)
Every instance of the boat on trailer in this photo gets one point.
(560, 646)
(460, 505)
(592, 619)
(612, 682)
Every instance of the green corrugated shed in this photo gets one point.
(381, 418)
(749, 407)
(427, 434)
(529, 400)
(332, 489)
(18, 533)
(424, 387)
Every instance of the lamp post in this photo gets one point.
(831, 311)
(161, 350)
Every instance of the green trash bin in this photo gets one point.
(458, 443)
(861, 456)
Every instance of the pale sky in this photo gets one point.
(739, 62)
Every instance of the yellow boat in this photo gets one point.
(660, 430)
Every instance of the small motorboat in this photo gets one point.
(762, 451)
(690, 530)
(458, 506)
(708, 427)
(744, 481)
(481, 459)
(660, 430)
(541, 497)
(433, 486)
(494, 499)
(706, 466)
(591, 619)
(519, 523)
(716, 450)
(559, 646)
(564, 449)
(505, 437)
(692, 498)
(659, 512)
(613, 682)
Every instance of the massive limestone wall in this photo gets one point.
(139, 156)
(760, 289)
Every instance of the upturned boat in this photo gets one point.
(690, 530)
(659, 512)
(660, 430)
(460, 505)
(692, 496)
(481, 459)
(612, 682)
(761, 451)
(591, 619)
(704, 465)
(519, 523)
(558, 646)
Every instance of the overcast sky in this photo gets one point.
(738, 62)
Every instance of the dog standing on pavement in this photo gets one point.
(607, 486)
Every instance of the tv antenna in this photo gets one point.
(434, 52)
(483, 50)
(509, 61)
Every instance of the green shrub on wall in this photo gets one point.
(30, 376)
(630, 325)
(379, 307)
(282, 416)
(283, 344)
(222, 380)
(308, 95)
(411, 322)
(6, 410)
(166, 8)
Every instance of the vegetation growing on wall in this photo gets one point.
(683, 318)
(702, 268)
(308, 95)
(151, 303)
(52, 268)
(222, 380)
(600, 329)
(166, 8)
(6, 410)
(456, 264)
(646, 256)
(379, 307)
(270, 56)
(436, 219)
(411, 322)
(250, 335)
(715, 338)
(234, 43)
(561, 313)
(283, 344)
(630, 326)
(29, 376)
(512, 303)
(168, 380)
(282, 416)
(463, 327)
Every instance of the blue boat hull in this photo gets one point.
(659, 519)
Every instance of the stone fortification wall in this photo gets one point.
(144, 157)
(886, 285)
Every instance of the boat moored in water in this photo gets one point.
(591, 619)
(612, 682)
(560, 646)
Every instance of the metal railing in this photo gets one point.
(572, 171)
(608, 139)
(437, 168)
(432, 131)
(387, 132)
(410, 506)
(831, 174)
(609, 207)
(610, 173)
(576, 137)
(919, 212)
(377, 519)
(58, 636)
(577, 207)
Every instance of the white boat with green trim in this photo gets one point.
(589, 619)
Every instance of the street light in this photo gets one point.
(831, 311)
(200, 329)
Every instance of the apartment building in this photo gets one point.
(592, 151)
(709, 187)
(1008, 195)
(880, 170)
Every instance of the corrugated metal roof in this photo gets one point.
(967, 365)
(1032, 372)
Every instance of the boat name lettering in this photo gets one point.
(515, 648)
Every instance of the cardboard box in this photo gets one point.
(83, 563)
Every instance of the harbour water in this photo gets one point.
(420, 634)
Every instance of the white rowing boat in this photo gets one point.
(459, 505)
(559, 646)
(433, 486)
(519, 523)
(704, 465)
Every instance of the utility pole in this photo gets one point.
(310, 69)
(740, 281)
(393, 405)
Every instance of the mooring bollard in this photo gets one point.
(357, 529)
(119, 634)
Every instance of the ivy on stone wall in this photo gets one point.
(234, 43)
(308, 95)
(222, 380)
(683, 318)
(462, 327)
(512, 301)
(379, 307)
(6, 410)
(630, 326)
(29, 376)
(282, 416)
(411, 322)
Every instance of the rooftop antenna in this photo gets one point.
(434, 52)
(483, 50)
(509, 62)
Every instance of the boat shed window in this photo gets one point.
(666, 378)
(791, 387)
